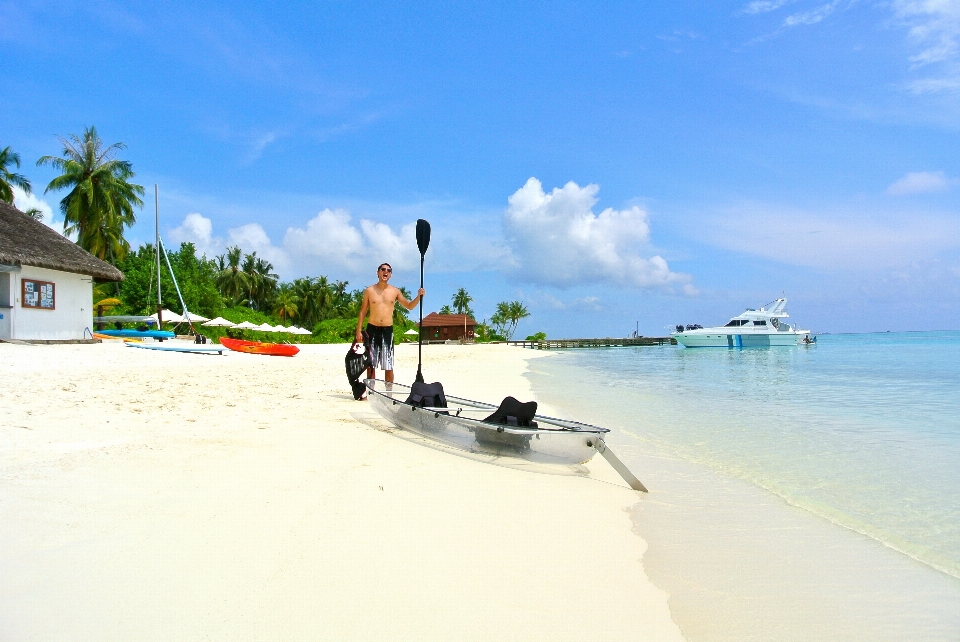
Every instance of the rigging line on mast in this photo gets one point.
(166, 255)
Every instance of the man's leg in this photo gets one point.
(388, 376)
(371, 373)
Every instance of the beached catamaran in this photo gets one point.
(512, 429)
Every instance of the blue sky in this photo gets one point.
(609, 164)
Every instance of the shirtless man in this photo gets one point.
(380, 299)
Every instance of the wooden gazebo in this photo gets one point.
(447, 327)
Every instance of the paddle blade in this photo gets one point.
(423, 235)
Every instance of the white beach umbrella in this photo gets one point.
(412, 331)
(219, 322)
(265, 327)
(194, 318)
(299, 330)
(280, 328)
(246, 325)
(168, 317)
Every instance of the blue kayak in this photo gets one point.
(138, 334)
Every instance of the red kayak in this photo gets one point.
(257, 347)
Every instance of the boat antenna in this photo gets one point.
(156, 203)
(423, 242)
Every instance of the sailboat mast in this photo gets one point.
(156, 203)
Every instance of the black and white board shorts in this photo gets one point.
(380, 346)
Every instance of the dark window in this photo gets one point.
(759, 323)
(733, 323)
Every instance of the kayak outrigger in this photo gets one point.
(481, 427)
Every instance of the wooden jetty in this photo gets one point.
(561, 344)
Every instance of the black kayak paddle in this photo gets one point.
(423, 242)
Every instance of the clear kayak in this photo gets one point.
(460, 424)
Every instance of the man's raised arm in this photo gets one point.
(410, 304)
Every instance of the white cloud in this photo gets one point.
(556, 239)
(841, 239)
(197, 229)
(765, 6)
(253, 238)
(23, 202)
(545, 299)
(331, 242)
(934, 25)
(921, 183)
(811, 17)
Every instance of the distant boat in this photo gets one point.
(752, 329)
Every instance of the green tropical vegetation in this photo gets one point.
(506, 318)
(8, 178)
(100, 203)
(461, 303)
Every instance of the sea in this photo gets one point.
(799, 493)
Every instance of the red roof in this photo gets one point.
(434, 320)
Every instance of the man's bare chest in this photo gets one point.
(387, 297)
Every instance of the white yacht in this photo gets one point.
(753, 328)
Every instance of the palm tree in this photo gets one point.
(101, 199)
(461, 303)
(507, 316)
(446, 310)
(7, 178)
(34, 213)
(261, 282)
(231, 280)
(285, 305)
(515, 312)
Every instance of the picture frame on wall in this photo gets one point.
(39, 295)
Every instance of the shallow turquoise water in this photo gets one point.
(863, 430)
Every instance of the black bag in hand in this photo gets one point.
(356, 362)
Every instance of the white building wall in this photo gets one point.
(74, 306)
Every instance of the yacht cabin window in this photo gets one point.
(759, 323)
(736, 322)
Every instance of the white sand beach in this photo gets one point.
(166, 496)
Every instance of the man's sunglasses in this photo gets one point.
(390, 270)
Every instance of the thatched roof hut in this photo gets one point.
(25, 241)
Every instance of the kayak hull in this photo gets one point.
(258, 347)
(553, 441)
(175, 348)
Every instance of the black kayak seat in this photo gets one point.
(427, 395)
(512, 412)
